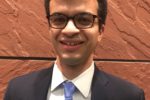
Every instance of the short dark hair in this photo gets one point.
(102, 10)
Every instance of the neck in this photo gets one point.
(70, 72)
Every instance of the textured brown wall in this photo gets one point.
(24, 32)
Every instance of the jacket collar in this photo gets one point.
(42, 83)
(99, 84)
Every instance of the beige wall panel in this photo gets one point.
(24, 30)
(127, 31)
(13, 68)
(137, 73)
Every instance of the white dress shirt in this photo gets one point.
(82, 82)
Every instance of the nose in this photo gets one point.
(70, 29)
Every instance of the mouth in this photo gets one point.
(71, 45)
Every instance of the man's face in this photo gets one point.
(74, 46)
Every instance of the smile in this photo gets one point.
(71, 43)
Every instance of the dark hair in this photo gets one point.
(102, 10)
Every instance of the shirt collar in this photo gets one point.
(57, 78)
(79, 81)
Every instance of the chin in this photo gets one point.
(72, 61)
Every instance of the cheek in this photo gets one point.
(50, 35)
(94, 38)
(93, 35)
(54, 33)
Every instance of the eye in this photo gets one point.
(57, 19)
(84, 19)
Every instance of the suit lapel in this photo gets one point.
(42, 84)
(99, 86)
(43, 81)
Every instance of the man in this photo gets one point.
(76, 26)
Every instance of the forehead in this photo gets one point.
(73, 6)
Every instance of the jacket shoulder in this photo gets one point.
(24, 86)
(119, 88)
(30, 77)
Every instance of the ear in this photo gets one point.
(102, 28)
(101, 33)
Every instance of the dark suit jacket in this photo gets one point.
(35, 86)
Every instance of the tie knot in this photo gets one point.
(69, 89)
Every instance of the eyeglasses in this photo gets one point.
(81, 20)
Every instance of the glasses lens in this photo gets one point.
(58, 20)
(84, 20)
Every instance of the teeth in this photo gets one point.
(72, 44)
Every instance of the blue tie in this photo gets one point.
(69, 89)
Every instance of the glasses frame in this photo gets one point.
(73, 18)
